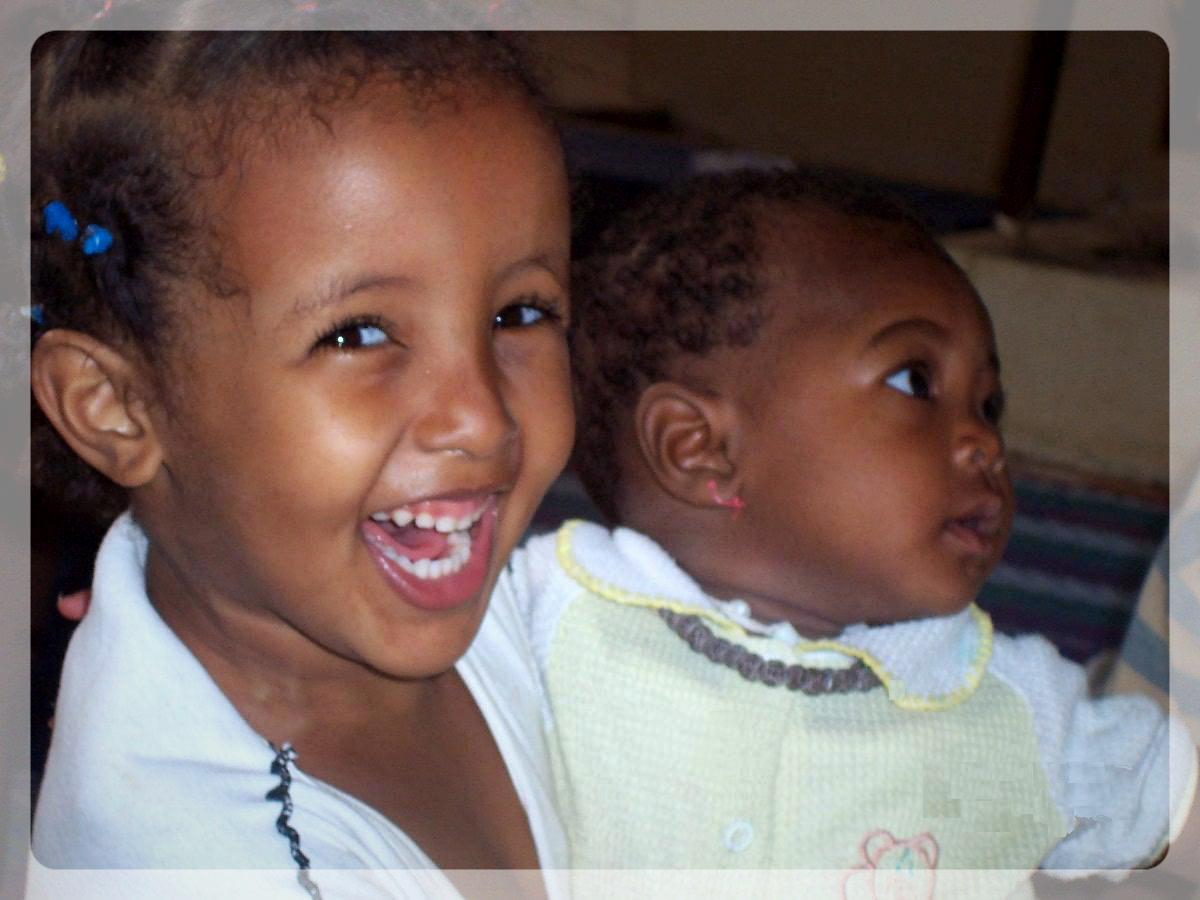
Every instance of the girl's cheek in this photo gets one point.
(537, 362)
(542, 388)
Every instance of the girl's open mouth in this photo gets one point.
(435, 554)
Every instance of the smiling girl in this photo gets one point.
(302, 301)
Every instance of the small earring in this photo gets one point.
(998, 465)
(736, 503)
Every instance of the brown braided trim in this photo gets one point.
(773, 673)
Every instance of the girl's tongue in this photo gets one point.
(418, 543)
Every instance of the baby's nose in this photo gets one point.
(980, 447)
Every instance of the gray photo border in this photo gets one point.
(1177, 22)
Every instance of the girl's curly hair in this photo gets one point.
(127, 125)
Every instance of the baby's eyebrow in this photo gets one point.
(890, 331)
(338, 289)
(927, 327)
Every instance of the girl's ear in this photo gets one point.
(685, 438)
(95, 398)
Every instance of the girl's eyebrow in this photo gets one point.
(535, 261)
(338, 289)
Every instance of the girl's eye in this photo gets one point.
(993, 408)
(912, 380)
(525, 313)
(354, 334)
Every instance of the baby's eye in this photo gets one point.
(912, 380)
(993, 408)
(525, 312)
(353, 334)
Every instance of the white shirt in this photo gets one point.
(151, 766)
(1122, 774)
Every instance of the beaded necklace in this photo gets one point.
(772, 673)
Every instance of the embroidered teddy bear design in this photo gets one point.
(893, 868)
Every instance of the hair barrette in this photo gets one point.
(96, 239)
(58, 220)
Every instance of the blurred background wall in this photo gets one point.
(1041, 160)
(1078, 290)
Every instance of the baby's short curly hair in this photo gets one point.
(126, 128)
(679, 273)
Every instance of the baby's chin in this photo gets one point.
(918, 601)
(915, 612)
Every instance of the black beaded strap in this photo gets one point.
(282, 794)
(773, 673)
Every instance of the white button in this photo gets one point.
(738, 835)
(738, 608)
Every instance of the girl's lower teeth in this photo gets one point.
(429, 569)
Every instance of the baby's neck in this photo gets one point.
(767, 610)
(695, 550)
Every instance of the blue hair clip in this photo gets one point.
(60, 221)
(96, 239)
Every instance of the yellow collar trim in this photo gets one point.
(897, 691)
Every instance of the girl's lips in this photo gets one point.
(435, 594)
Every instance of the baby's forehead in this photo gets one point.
(823, 266)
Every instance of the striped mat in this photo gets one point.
(1074, 564)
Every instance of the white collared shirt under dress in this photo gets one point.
(151, 766)
(666, 759)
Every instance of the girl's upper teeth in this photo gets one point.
(445, 524)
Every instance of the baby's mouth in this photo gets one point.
(980, 529)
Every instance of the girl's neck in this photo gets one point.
(281, 682)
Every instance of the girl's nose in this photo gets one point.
(467, 413)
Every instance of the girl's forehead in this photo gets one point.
(269, 125)
(365, 168)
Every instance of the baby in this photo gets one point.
(789, 400)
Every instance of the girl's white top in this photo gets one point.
(151, 767)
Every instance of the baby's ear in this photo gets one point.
(96, 399)
(684, 438)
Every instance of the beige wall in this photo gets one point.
(1084, 359)
(933, 108)
(1107, 142)
(1085, 352)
